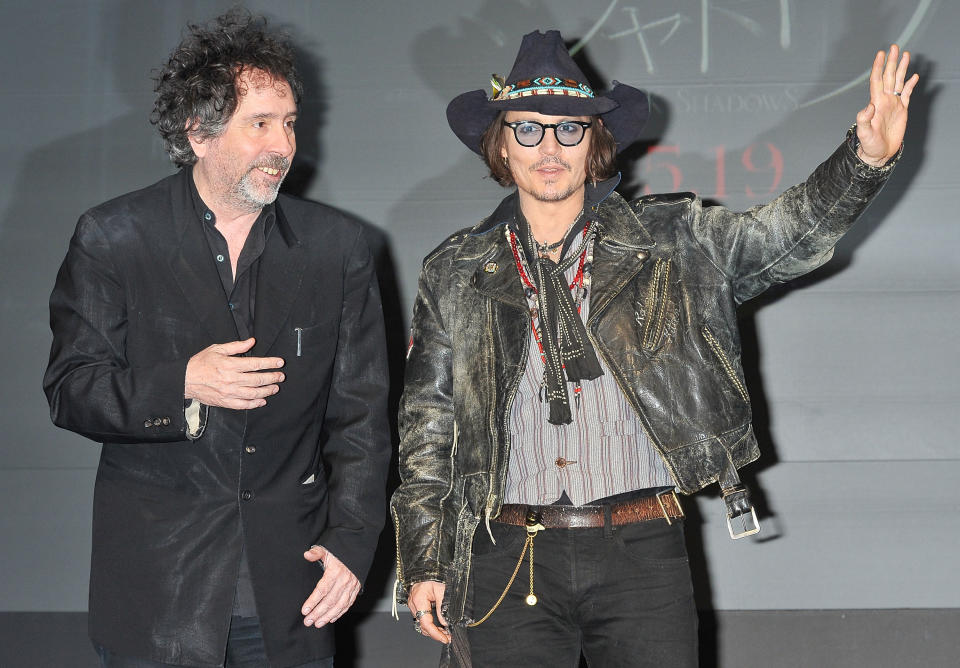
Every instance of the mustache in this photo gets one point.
(551, 161)
(273, 162)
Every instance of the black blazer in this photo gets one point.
(137, 295)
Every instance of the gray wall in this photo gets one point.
(855, 379)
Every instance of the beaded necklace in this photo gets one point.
(577, 287)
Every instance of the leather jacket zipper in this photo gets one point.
(396, 528)
(656, 305)
(725, 363)
(511, 395)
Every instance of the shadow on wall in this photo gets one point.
(58, 179)
(308, 164)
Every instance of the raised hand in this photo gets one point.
(883, 122)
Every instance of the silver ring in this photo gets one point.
(421, 613)
(896, 93)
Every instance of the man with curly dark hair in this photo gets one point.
(225, 343)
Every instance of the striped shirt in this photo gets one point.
(603, 451)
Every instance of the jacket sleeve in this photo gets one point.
(427, 441)
(90, 387)
(795, 233)
(356, 433)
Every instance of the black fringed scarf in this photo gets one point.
(564, 338)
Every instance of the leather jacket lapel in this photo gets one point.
(496, 274)
(619, 253)
(621, 249)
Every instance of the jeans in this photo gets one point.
(622, 596)
(244, 650)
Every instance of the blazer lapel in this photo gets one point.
(282, 266)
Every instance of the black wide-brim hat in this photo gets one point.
(544, 79)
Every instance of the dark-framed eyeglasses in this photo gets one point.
(530, 133)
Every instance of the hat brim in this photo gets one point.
(627, 120)
(624, 111)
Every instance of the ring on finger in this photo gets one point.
(421, 613)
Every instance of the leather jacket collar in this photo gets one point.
(619, 230)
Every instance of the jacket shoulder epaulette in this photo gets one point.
(658, 199)
(451, 243)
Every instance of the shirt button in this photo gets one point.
(220, 258)
(231, 306)
(250, 449)
(208, 216)
(246, 495)
(560, 462)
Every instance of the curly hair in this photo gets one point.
(198, 87)
(601, 155)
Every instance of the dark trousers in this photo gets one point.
(622, 596)
(244, 650)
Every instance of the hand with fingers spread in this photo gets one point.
(220, 376)
(335, 592)
(424, 602)
(883, 122)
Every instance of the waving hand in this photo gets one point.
(882, 123)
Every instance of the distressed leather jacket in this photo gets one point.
(668, 275)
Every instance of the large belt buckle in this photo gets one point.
(741, 510)
(663, 507)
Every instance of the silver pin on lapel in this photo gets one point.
(490, 267)
(299, 331)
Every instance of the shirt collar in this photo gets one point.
(268, 214)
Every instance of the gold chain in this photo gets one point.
(531, 599)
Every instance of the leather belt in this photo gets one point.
(662, 506)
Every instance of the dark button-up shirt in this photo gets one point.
(240, 292)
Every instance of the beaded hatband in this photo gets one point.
(544, 86)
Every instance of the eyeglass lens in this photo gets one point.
(530, 133)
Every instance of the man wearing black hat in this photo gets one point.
(575, 361)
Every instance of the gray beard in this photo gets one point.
(251, 198)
